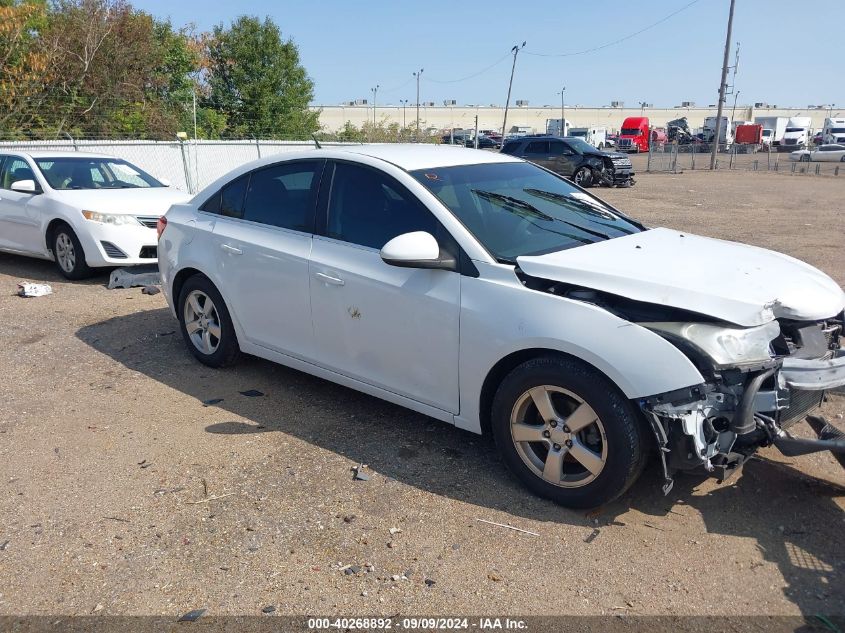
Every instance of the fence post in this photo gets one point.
(72, 140)
(257, 147)
(731, 155)
(693, 152)
(648, 160)
(187, 169)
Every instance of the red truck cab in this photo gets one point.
(634, 135)
(749, 134)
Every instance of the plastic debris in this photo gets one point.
(510, 527)
(429, 582)
(150, 290)
(135, 276)
(252, 393)
(268, 609)
(211, 401)
(360, 475)
(192, 616)
(26, 289)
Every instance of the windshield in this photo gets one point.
(580, 145)
(795, 129)
(517, 209)
(837, 130)
(94, 173)
(578, 133)
(630, 131)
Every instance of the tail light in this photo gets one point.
(161, 225)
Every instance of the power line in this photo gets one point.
(480, 72)
(615, 42)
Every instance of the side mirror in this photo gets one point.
(24, 186)
(416, 250)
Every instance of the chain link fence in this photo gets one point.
(188, 165)
(676, 158)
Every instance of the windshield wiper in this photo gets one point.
(523, 208)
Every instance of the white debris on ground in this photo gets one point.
(26, 289)
(135, 276)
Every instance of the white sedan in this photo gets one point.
(81, 210)
(494, 295)
(833, 153)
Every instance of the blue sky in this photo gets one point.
(349, 47)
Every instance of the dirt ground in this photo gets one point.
(121, 493)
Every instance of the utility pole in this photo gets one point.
(476, 131)
(515, 50)
(375, 94)
(417, 75)
(722, 87)
(404, 102)
(562, 113)
(733, 111)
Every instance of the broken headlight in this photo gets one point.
(723, 345)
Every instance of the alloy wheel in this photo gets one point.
(558, 436)
(65, 252)
(202, 322)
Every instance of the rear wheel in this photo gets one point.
(68, 253)
(205, 323)
(567, 432)
(583, 177)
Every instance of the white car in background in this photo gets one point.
(831, 153)
(490, 293)
(83, 211)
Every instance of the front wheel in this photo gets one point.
(567, 432)
(205, 323)
(69, 255)
(583, 177)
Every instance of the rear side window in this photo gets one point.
(369, 208)
(537, 147)
(284, 195)
(232, 198)
(511, 148)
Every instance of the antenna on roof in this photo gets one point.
(316, 142)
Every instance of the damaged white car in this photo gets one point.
(490, 293)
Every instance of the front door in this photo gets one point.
(394, 328)
(19, 217)
(562, 158)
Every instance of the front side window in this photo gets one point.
(15, 169)
(283, 195)
(369, 208)
(516, 209)
(66, 173)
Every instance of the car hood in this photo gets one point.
(150, 201)
(740, 284)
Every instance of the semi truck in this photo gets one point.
(725, 133)
(634, 135)
(797, 135)
(833, 130)
(553, 127)
(774, 127)
(595, 136)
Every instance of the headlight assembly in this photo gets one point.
(724, 345)
(115, 219)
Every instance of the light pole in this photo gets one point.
(733, 111)
(642, 107)
(515, 50)
(417, 75)
(375, 94)
(562, 113)
(404, 102)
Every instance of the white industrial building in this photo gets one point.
(444, 117)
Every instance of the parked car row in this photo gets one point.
(478, 289)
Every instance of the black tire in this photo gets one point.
(623, 442)
(68, 253)
(226, 351)
(842, 160)
(583, 177)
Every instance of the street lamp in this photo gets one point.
(417, 75)
(404, 102)
(562, 112)
(375, 94)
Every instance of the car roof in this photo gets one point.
(43, 153)
(413, 156)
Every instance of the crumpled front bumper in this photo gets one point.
(815, 375)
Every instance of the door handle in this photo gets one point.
(334, 281)
(231, 249)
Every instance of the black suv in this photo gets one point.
(574, 158)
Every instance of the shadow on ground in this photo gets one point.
(792, 517)
(44, 271)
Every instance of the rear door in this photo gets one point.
(394, 328)
(538, 152)
(263, 239)
(20, 219)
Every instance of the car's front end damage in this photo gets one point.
(758, 383)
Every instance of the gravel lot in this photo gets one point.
(121, 493)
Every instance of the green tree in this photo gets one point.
(257, 81)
